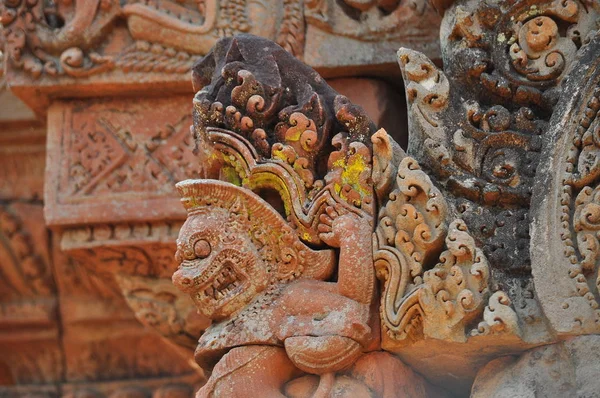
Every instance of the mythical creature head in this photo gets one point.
(234, 245)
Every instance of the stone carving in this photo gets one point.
(569, 180)
(27, 299)
(67, 38)
(486, 151)
(409, 234)
(450, 295)
(107, 158)
(234, 113)
(268, 132)
(260, 286)
(322, 258)
(140, 257)
(114, 149)
(451, 242)
(564, 368)
(34, 45)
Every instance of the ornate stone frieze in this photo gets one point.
(148, 43)
(117, 152)
(482, 130)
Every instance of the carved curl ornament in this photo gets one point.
(481, 127)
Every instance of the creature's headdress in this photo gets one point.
(288, 133)
(266, 227)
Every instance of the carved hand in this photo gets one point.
(338, 225)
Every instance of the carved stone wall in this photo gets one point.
(110, 322)
(64, 330)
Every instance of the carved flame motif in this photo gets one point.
(409, 235)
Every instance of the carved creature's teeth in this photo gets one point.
(222, 284)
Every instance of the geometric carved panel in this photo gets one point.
(118, 159)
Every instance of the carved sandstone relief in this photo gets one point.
(118, 152)
(296, 164)
(567, 196)
(481, 127)
(107, 351)
(451, 241)
(28, 300)
(113, 203)
(64, 331)
(83, 38)
(322, 253)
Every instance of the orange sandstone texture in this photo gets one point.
(313, 256)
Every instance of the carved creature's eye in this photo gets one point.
(178, 257)
(202, 248)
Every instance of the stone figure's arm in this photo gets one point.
(326, 324)
(352, 233)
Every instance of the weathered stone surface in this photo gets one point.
(22, 160)
(451, 240)
(112, 150)
(564, 228)
(28, 300)
(64, 331)
(381, 100)
(101, 338)
(114, 197)
(568, 369)
(481, 129)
